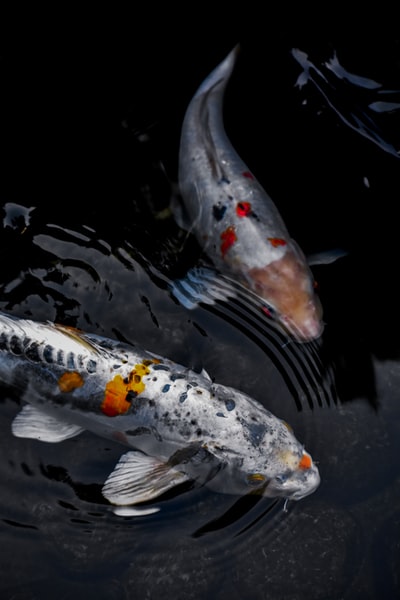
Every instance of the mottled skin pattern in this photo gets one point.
(150, 403)
(235, 220)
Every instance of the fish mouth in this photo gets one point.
(286, 285)
(311, 485)
(295, 485)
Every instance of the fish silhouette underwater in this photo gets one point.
(179, 426)
(236, 222)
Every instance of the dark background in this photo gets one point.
(90, 112)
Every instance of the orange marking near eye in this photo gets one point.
(275, 242)
(119, 391)
(69, 381)
(305, 462)
(228, 238)
(243, 209)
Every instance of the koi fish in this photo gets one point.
(179, 426)
(234, 219)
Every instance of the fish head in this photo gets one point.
(288, 285)
(295, 476)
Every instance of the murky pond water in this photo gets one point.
(82, 243)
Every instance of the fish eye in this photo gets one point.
(255, 479)
(281, 479)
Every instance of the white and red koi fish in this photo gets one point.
(235, 221)
(178, 425)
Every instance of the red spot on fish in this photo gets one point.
(248, 175)
(267, 312)
(228, 238)
(276, 242)
(243, 209)
(69, 381)
(305, 462)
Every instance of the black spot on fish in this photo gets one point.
(91, 366)
(161, 368)
(48, 354)
(218, 211)
(254, 216)
(220, 414)
(183, 397)
(32, 352)
(166, 388)
(223, 180)
(131, 395)
(229, 404)
(254, 432)
(70, 361)
(16, 346)
(198, 432)
(175, 376)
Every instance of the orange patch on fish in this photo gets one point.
(285, 284)
(305, 462)
(276, 242)
(119, 391)
(228, 238)
(69, 381)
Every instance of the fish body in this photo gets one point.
(234, 219)
(178, 425)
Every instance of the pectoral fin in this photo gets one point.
(33, 423)
(201, 284)
(138, 477)
(326, 257)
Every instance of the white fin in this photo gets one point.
(33, 423)
(130, 511)
(201, 284)
(206, 375)
(326, 257)
(138, 477)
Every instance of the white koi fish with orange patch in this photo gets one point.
(178, 424)
(235, 221)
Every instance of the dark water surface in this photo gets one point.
(90, 136)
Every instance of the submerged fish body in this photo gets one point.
(178, 424)
(235, 221)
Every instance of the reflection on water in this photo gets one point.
(104, 272)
